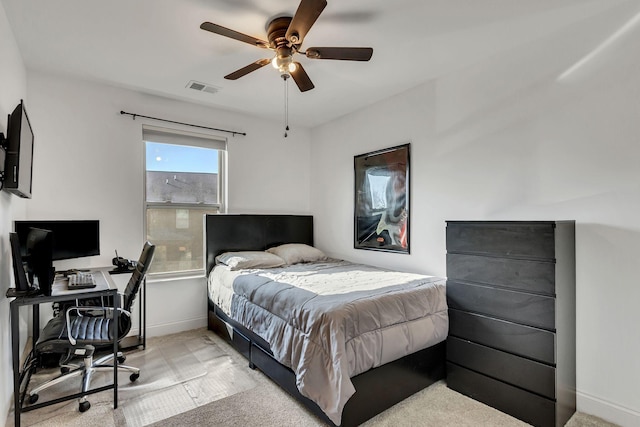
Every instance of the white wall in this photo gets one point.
(89, 164)
(13, 87)
(505, 139)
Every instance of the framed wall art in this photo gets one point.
(382, 200)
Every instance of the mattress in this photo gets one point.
(329, 321)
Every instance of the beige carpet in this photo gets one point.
(436, 406)
(196, 379)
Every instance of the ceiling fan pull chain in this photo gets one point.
(286, 104)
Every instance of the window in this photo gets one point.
(184, 180)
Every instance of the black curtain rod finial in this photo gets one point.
(133, 116)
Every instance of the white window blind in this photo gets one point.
(180, 137)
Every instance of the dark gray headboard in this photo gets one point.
(244, 232)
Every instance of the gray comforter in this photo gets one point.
(330, 321)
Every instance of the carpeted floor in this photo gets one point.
(196, 379)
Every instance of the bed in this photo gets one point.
(243, 317)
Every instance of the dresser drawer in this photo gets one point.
(519, 307)
(518, 274)
(528, 407)
(533, 343)
(515, 370)
(517, 240)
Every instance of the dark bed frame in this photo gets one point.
(376, 390)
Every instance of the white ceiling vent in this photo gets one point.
(202, 87)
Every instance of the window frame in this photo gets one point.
(189, 139)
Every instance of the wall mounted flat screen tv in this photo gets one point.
(19, 156)
(71, 238)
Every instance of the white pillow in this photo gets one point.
(249, 259)
(293, 253)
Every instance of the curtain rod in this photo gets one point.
(232, 132)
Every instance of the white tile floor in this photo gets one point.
(178, 372)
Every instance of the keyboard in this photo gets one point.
(81, 281)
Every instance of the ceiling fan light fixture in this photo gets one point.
(284, 64)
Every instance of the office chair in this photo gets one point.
(91, 329)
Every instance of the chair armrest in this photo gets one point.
(100, 309)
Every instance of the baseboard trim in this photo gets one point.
(606, 410)
(175, 327)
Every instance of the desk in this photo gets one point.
(59, 292)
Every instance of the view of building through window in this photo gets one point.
(182, 185)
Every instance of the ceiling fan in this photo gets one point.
(285, 35)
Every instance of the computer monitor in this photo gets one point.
(71, 238)
(40, 259)
(22, 284)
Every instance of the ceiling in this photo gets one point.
(157, 47)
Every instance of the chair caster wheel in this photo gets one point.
(33, 398)
(84, 406)
(121, 359)
(134, 377)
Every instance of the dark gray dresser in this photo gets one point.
(512, 316)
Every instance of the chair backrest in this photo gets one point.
(138, 275)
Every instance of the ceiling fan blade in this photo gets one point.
(307, 13)
(301, 78)
(248, 69)
(217, 29)
(342, 53)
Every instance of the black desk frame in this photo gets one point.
(35, 301)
